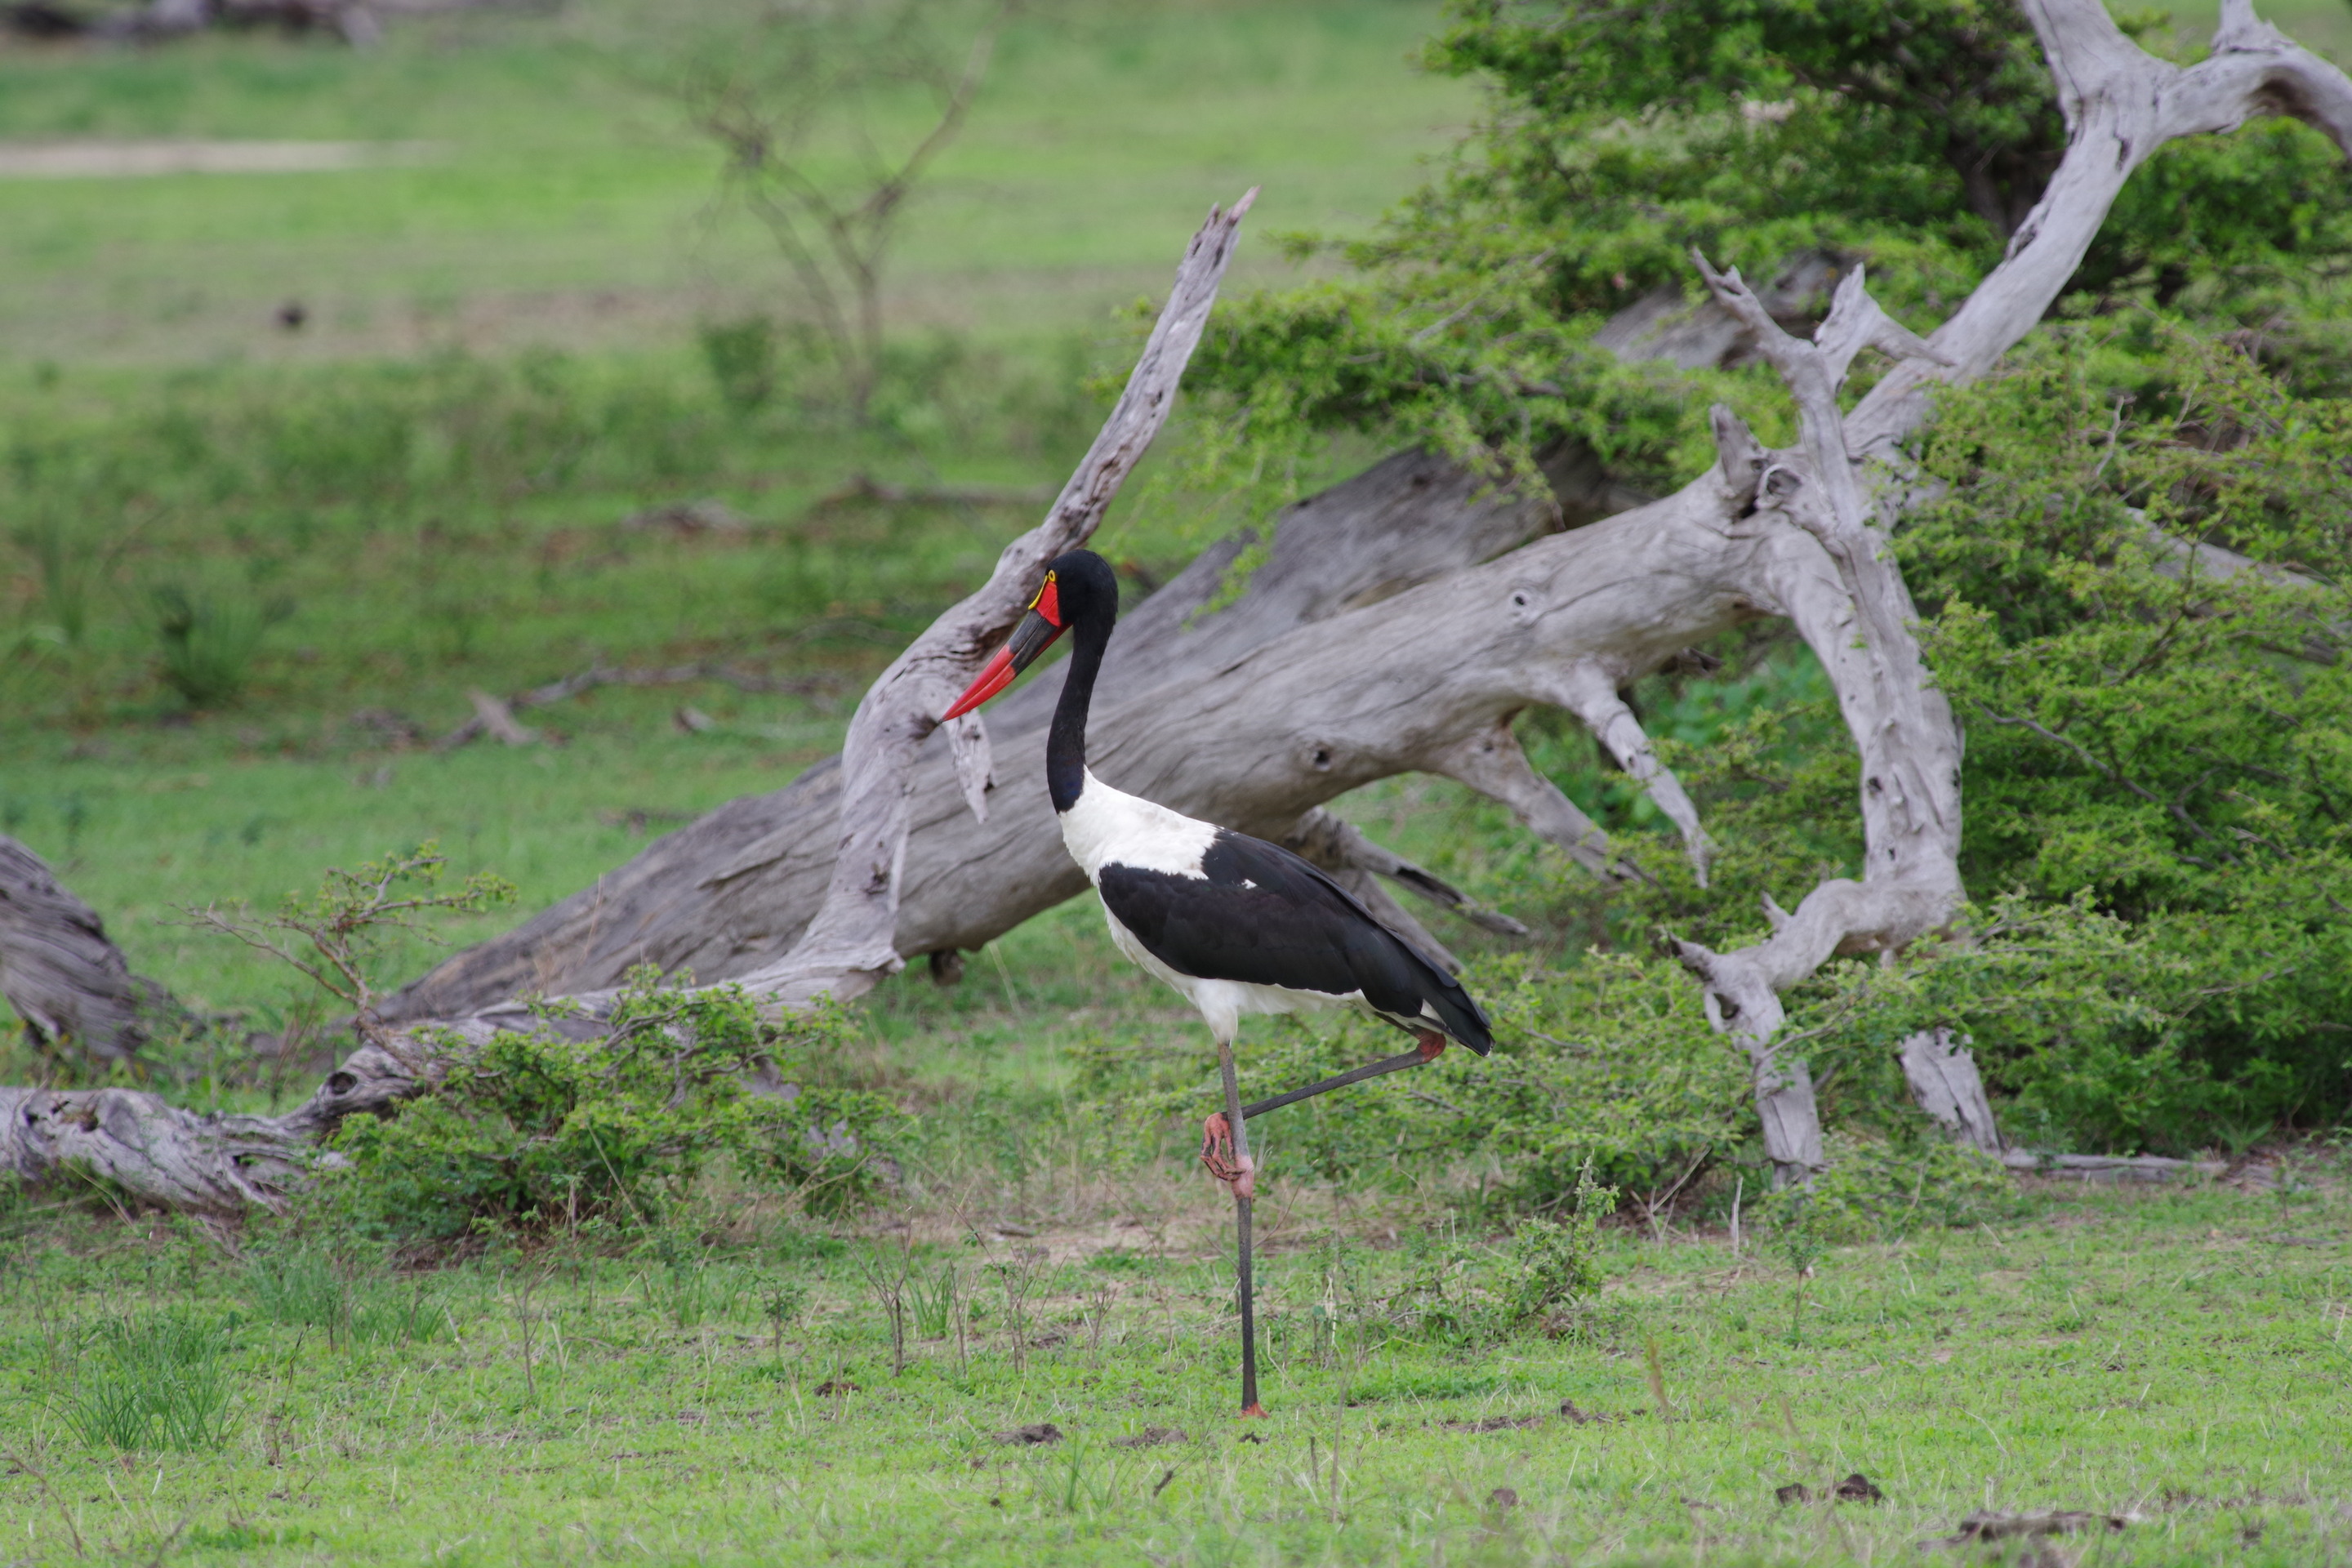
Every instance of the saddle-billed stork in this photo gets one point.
(1236, 925)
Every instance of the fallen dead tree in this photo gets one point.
(66, 979)
(1365, 649)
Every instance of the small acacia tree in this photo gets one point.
(829, 114)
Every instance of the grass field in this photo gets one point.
(2174, 1360)
(537, 194)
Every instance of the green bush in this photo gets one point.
(542, 1132)
(208, 642)
(1609, 1064)
(1556, 1264)
(1878, 1189)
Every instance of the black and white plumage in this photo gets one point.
(1235, 924)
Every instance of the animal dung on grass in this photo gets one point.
(1152, 1437)
(1856, 1488)
(833, 1386)
(1988, 1525)
(1586, 1418)
(1030, 1436)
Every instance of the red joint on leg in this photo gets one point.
(1256, 1410)
(1433, 1045)
(1217, 1154)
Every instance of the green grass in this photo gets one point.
(2176, 1356)
(563, 205)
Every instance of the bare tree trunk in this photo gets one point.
(1945, 1083)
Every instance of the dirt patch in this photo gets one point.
(143, 160)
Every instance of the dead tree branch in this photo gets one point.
(850, 945)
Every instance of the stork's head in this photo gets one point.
(1079, 590)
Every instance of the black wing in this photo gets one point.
(1266, 917)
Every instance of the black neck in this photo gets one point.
(1066, 743)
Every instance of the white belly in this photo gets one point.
(1223, 1003)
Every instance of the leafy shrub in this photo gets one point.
(161, 1381)
(1881, 1189)
(741, 355)
(1555, 1264)
(1610, 1064)
(538, 1131)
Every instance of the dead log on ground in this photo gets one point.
(62, 973)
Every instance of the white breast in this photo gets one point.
(1107, 825)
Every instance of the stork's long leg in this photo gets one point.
(1233, 1121)
(1433, 1045)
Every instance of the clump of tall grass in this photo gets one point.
(208, 644)
(162, 1382)
(309, 1287)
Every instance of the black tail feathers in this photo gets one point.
(1466, 1021)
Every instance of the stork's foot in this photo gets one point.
(1238, 1174)
(1433, 1045)
(1254, 1408)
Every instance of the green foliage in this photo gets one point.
(542, 1131)
(209, 643)
(2161, 725)
(931, 1300)
(158, 1382)
(1915, 135)
(336, 936)
(1553, 1263)
(741, 355)
(1884, 1189)
(1608, 1071)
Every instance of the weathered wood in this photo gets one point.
(63, 975)
(721, 896)
(1945, 1083)
(2111, 1167)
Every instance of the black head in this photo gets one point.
(1079, 590)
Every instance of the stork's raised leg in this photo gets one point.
(1244, 1185)
(1432, 1046)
